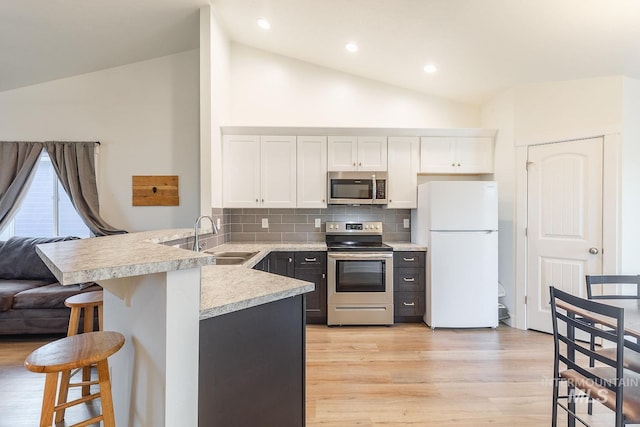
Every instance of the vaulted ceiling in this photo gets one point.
(479, 46)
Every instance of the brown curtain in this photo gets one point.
(17, 168)
(74, 163)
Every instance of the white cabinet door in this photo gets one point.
(474, 155)
(403, 161)
(449, 154)
(437, 154)
(372, 153)
(278, 171)
(241, 171)
(343, 153)
(312, 172)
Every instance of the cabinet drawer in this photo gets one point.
(408, 279)
(310, 259)
(408, 259)
(408, 303)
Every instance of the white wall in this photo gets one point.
(557, 111)
(146, 117)
(273, 90)
(630, 179)
(499, 114)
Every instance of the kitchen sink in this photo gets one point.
(231, 258)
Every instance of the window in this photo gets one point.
(46, 210)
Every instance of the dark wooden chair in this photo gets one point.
(608, 383)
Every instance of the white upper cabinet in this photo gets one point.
(449, 154)
(351, 153)
(403, 165)
(278, 171)
(312, 172)
(241, 171)
(259, 171)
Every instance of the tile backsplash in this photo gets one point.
(298, 225)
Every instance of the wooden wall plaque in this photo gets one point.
(155, 190)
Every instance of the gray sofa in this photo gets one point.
(31, 299)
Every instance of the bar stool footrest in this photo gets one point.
(77, 401)
(89, 422)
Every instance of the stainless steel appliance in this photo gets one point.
(357, 188)
(359, 274)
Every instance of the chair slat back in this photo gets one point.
(596, 319)
(592, 281)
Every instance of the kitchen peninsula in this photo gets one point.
(159, 297)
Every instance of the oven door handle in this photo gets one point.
(359, 255)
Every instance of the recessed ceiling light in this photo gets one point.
(430, 68)
(351, 47)
(264, 24)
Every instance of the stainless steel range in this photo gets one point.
(359, 274)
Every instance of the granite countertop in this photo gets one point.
(224, 289)
(118, 256)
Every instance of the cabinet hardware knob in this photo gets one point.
(360, 164)
(458, 164)
(409, 279)
(310, 259)
(322, 200)
(256, 200)
(409, 259)
(409, 304)
(354, 163)
(262, 200)
(390, 200)
(324, 276)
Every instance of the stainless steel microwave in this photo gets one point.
(357, 188)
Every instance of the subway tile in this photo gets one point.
(345, 217)
(282, 211)
(255, 211)
(294, 219)
(315, 237)
(254, 228)
(235, 228)
(294, 237)
(307, 211)
(242, 219)
(398, 237)
(336, 209)
(243, 237)
(304, 228)
(274, 219)
(234, 211)
(270, 237)
(282, 227)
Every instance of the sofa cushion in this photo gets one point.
(48, 296)
(9, 288)
(19, 259)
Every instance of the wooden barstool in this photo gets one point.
(88, 302)
(74, 352)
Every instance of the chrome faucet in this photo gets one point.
(196, 240)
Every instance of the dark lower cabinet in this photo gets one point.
(308, 266)
(312, 267)
(252, 367)
(409, 286)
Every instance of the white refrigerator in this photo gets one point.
(458, 222)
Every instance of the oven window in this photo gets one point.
(350, 189)
(360, 276)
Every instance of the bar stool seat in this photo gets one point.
(86, 301)
(74, 352)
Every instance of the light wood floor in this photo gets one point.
(405, 375)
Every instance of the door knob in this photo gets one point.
(593, 251)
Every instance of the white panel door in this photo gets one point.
(372, 153)
(241, 171)
(564, 222)
(403, 163)
(278, 171)
(312, 172)
(343, 153)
